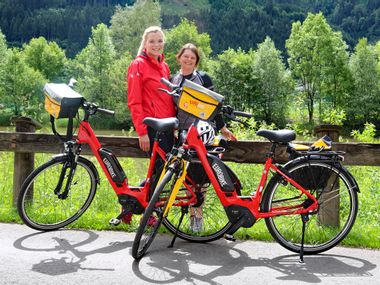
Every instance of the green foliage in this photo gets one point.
(364, 100)
(3, 59)
(234, 78)
(367, 135)
(274, 84)
(101, 77)
(317, 58)
(47, 58)
(334, 117)
(186, 32)
(129, 22)
(21, 86)
(96, 60)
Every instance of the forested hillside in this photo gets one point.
(230, 23)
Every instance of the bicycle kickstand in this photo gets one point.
(305, 219)
(184, 211)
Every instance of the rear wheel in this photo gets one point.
(336, 193)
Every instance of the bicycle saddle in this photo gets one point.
(161, 124)
(281, 136)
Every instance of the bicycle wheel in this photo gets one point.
(42, 209)
(214, 220)
(336, 192)
(153, 216)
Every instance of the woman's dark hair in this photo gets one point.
(191, 47)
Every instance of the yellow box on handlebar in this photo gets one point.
(199, 101)
(61, 101)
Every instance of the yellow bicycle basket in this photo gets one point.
(199, 101)
(61, 101)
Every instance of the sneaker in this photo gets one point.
(196, 223)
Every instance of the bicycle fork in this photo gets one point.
(72, 165)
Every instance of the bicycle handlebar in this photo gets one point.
(106, 111)
(243, 114)
(169, 84)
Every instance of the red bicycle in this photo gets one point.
(309, 204)
(58, 192)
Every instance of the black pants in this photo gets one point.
(166, 144)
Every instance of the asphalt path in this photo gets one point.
(104, 257)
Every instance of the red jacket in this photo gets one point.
(144, 99)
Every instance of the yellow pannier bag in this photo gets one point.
(61, 101)
(199, 101)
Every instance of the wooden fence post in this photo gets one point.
(23, 161)
(329, 214)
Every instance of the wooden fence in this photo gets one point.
(241, 151)
(25, 144)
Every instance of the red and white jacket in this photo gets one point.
(144, 98)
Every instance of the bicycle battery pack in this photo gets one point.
(221, 173)
(112, 164)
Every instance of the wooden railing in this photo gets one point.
(25, 144)
(241, 151)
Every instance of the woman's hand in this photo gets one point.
(144, 142)
(228, 134)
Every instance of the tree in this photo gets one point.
(3, 58)
(22, 86)
(233, 77)
(48, 58)
(365, 99)
(274, 84)
(96, 59)
(186, 32)
(312, 47)
(129, 22)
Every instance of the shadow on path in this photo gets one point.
(206, 262)
(67, 243)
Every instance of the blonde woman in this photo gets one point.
(144, 99)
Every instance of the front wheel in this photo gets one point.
(336, 193)
(40, 203)
(153, 216)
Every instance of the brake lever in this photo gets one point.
(171, 93)
(242, 122)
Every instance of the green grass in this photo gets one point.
(365, 232)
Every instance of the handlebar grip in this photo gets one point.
(106, 111)
(168, 83)
(243, 114)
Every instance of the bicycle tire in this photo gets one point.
(152, 218)
(41, 209)
(319, 235)
(215, 219)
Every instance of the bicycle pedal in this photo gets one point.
(229, 237)
(114, 222)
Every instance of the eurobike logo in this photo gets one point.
(109, 167)
(219, 174)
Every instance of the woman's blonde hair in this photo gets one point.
(151, 29)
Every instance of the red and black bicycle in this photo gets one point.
(309, 204)
(58, 192)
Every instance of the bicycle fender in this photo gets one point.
(84, 161)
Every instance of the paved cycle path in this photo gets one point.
(103, 257)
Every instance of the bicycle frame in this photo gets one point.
(252, 203)
(86, 135)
